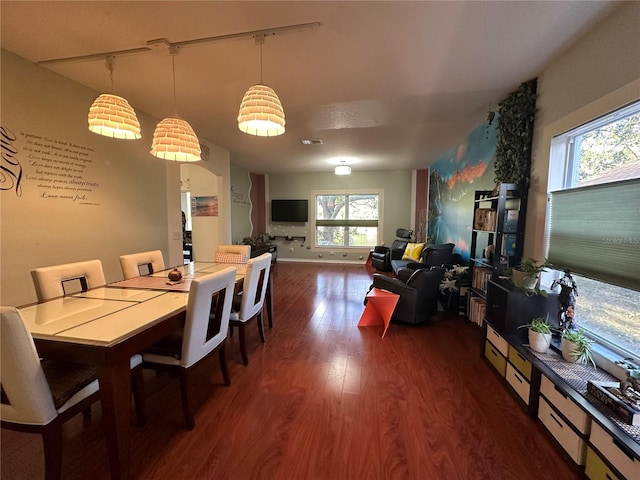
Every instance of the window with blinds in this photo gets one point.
(593, 226)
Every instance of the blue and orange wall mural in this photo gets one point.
(454, 178)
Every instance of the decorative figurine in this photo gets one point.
(567, 300)
(175, 275)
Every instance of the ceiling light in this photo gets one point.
(311, 141)
(112, 116)
(173, 138)
(343, 169)
(261, 112)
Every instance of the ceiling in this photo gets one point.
(391, 84)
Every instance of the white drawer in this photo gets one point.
(629, 467)
(565, 405)
(570, 440)
(496, 339)
(518, 382)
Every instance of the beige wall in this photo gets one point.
(397, 186)
(130, 201)
(600, 73)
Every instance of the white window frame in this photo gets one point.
(561, 168)
(368, 191)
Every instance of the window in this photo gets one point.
(346, 219)
(594, 228)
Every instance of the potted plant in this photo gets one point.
(576, 347)
(454, 282)
(539, 334)
(527, 274)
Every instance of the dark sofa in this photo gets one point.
(432, 256)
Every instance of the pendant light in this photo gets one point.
(261, 112)
(173, 138)
(112, 116)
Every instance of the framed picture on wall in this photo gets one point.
(204, 206)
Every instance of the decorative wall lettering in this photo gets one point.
(57, 169)
(10, 168)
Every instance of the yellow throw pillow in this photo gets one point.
(413, 251)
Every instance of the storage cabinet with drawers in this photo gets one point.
(567, 422)
(605, 449)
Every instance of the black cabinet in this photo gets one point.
(508, 308)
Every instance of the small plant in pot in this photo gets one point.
(526, 275)
(539, 334)
(576, 347)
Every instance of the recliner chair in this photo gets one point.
(432, 256)
(418, 300)
(382, 255)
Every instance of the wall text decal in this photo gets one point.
(57, 169)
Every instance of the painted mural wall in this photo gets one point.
(454, 178)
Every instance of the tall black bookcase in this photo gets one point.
(497, 239)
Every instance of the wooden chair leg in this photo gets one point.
(243, 345)
(260, 326)
(137, 390)
(223, 364)
(184, 392)
(52, 443)
(86, 415)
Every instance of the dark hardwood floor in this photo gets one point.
(323, 399)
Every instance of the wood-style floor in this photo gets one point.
(324, 399)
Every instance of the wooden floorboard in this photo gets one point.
(324, 399)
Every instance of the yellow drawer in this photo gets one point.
(518, 382)
(495, 357)
(596, 469)
(562, 432)
(565, 405)
(497, 340)
(603, 442)
(522, 364)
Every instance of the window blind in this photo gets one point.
(346, 223)
(594, 231)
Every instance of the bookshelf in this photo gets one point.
(497, 240)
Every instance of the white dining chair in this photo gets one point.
(150, 261)
(50, 283)
(38, 397)
(233, 253)
(205, 330)
(251, 300)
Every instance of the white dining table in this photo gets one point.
(104, 327)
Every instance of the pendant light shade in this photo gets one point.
(343, 170)
(261, 112)
(112, 116)
(174, 139)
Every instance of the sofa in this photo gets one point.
(431, 256)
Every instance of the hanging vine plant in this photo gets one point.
(515, 135)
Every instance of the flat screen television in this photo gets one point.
(289, 210)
